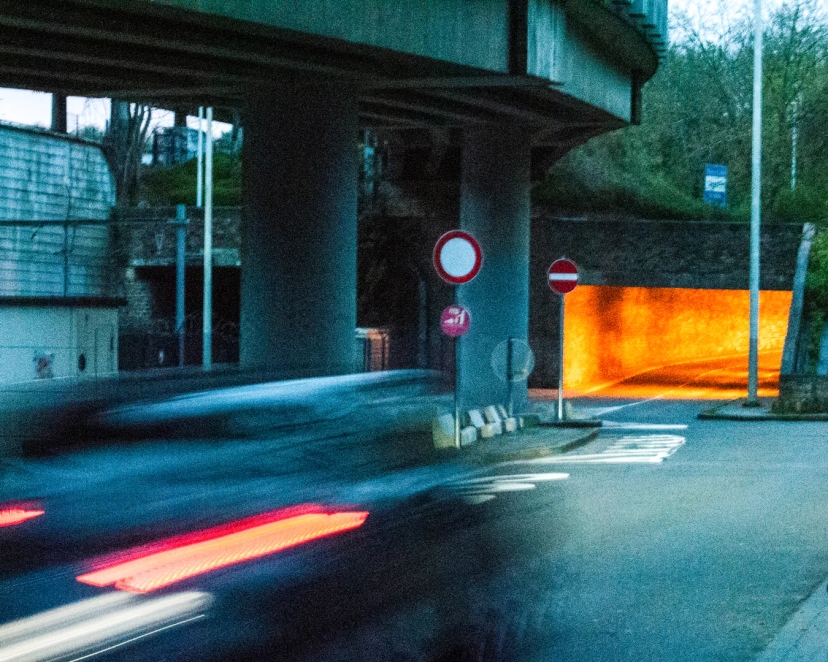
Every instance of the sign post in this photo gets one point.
(562, 277)
(457, 259)
(454, 322)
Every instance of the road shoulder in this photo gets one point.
(805, 636)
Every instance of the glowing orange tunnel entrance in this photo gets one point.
(643, 342)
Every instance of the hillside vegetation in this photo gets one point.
(698, 110)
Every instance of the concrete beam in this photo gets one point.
(137, 47)
(451, 112)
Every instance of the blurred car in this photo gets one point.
(195, 506)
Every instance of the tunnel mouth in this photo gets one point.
(667, 343)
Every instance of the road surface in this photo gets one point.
(666, 538)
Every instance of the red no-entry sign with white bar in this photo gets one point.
(562, 276)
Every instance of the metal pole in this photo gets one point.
(200, 160)
(180, 257)
(456, 389)
(561, 366)
(509, 375)
(755, 210)
(794, 139)
(207, 348)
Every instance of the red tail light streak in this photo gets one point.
(201, 552)
(12, 516)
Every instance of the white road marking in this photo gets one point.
(615, 425)
(480, 490)
(608, 410)
(630, 449)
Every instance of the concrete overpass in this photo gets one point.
(523, 79)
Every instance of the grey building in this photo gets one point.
(58, 292)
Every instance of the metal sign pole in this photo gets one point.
(456, 389)
(180, 262)
(755, 211)
(207, 326)
(200, 160)
(561, 365)
(509, 376)
(457, 258)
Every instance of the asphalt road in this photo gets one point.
(666, 538)
(717, 378)
(685, 539)
(703, 555)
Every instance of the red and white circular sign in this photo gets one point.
(457, 257)
(455, 321)
(562, 276)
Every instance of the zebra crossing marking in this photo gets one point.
(629, 449)
(480, 490)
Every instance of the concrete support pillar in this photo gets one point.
(59, 123)
(299, 228)
(495, 208)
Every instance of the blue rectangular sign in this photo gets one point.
(715, 185)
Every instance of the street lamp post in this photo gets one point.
(207, 328)
(755, 211)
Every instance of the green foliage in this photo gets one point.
(698, 110)
(815, 308)
(166, 186)
(610, 175)
(807, 203)
(816, 284)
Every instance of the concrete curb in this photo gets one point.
(804, 638)
(585, 423)
(734, 411)
(528, 449)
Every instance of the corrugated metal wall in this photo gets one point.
(49, 178)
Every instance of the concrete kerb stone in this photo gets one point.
(547, 414)
(524, 444)
(529, 444)
(582, 423)
(736, 411)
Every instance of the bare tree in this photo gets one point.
(123, 147)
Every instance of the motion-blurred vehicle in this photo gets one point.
(304, 520)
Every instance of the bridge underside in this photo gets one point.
(302, 96)
(179, 60)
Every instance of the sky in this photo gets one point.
(35, 109)
(708, 17)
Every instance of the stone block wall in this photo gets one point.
(802, 394)
(148, 239)
(659, 255)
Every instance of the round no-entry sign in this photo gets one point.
(457, 257)
(562, 276)
(455, 321)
